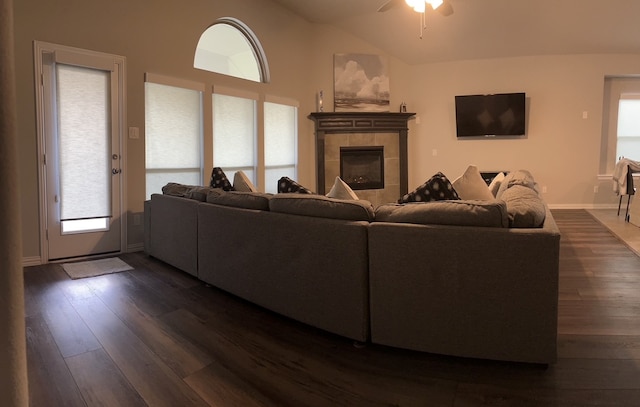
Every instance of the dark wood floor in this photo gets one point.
(155, 336)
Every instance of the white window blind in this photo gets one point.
(280, 135)
(234, 135)
(84, 142)
(173, 128)
(629, 127)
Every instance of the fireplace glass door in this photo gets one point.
(362, 167)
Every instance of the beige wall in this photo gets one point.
(159, 36)
(561, 148)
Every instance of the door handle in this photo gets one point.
(115, 171)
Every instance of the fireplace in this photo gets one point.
(385, 130)
(362, 167)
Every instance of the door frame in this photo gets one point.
(40, 48)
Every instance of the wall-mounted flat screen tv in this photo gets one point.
(496, 115)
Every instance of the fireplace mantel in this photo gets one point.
(327, 123)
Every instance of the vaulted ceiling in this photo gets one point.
(484, 28)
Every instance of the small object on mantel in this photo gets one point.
(403, 107)
(320, 97)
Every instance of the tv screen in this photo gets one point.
(494, 115)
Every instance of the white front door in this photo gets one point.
(80, 114)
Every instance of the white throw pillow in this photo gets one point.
(242, 183)
(470, 185)
(495, 183)
(341, 190)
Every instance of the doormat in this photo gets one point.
(94, 268)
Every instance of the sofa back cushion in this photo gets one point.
(519, 177)
(194, 192)
(238, 199)
(455, 212)
(320, 206)
(524, 207)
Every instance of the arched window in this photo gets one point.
(229, 47)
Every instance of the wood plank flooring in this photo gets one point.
(156, 336)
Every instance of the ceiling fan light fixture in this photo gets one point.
(417, 5)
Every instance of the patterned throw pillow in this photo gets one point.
(220, 180)
(287, 185)
(437, 188)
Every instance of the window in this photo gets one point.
(236, 136)
(173, 128)
(240, 131)
(230, 48)
(280, 136)
(621, 122)
(84, 143)
(629, 127)
(234, 132)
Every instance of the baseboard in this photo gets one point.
(31, 261)
(583, 206)
(37, 261)
(137, 247)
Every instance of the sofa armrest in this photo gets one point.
(173, 231)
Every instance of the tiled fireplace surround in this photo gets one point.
(360, 129)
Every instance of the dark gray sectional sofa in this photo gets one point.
(449, 277)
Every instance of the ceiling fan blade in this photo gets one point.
(389, 5)
(445, 9)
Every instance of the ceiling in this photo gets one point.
(484, 28)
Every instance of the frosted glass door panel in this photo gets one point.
(84, 139)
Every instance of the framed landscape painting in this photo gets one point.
(361, 83)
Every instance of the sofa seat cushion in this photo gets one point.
(239, 199)
(455, 212)
(320, 206)
(524, 206)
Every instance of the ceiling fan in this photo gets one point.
(442, 6)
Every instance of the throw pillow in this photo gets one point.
(494, 186)
(471, 186)
(287, 185)
(220, 180)
(437, 188)
(242, 183)
(342, 190)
